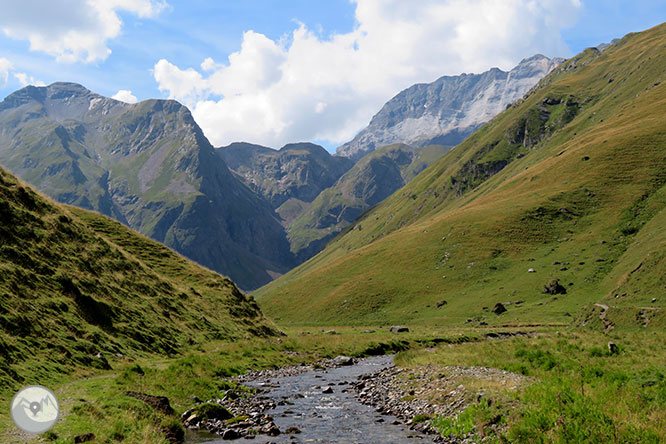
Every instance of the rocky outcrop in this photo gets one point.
(298, 171)
(449, 109)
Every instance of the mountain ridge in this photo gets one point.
(447, 110)
(507, 212)
(149, 166)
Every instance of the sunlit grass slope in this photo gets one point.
(568, 182)
(78, 290)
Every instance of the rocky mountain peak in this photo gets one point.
(449, 109)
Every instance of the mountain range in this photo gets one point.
(555, 207)
(246, 211)
(289, 178)
(147, 165)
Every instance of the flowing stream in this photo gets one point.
(328, 417)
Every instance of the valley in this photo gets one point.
(484, 262)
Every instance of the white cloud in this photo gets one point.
(126, 96)
(25, 80)
(306, 87)
(71, 30)
(5, 66)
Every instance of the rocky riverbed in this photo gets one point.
(345, 400)
(416, 395)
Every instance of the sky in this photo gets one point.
(277, 71)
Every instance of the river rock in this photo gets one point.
(343, 360)
(399, 329)
(230, 434)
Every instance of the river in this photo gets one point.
(335, 417)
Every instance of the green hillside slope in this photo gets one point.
(566, 184)
(372, 179)
(78, 290)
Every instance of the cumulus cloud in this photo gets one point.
(71, 30)
(5, 66)
(125, 95)
(306, 86)
(25, 80)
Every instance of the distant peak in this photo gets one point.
(303, 146)
(534, 58)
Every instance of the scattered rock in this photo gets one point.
(499, 308)
(230, 434)
(441, 303)
(654, 300)
(159, 403)
(399, 329)
(292, 431)
(554, 287)
(613, 349)
(368, 331)
(86, 437)
(531, 270)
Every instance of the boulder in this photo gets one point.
(554, 287)
(230, 434)
(399, 329)
(343, 360)
(441, 303)
(613, 349)
(499, 308)
(327, 390)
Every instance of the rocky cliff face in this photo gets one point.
(447, 110)
(147, 165)
(292, 176)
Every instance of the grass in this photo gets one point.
(81, 295)
(94, 399)
(580, 393)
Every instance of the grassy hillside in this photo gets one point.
(371, 180)
(566, 184)
(81, 291)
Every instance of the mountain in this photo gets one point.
(147, 165)
(371, 180)
(289, 177)
(554, 206)
(447, 110)
(77, 288)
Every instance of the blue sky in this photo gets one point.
(303, 69)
